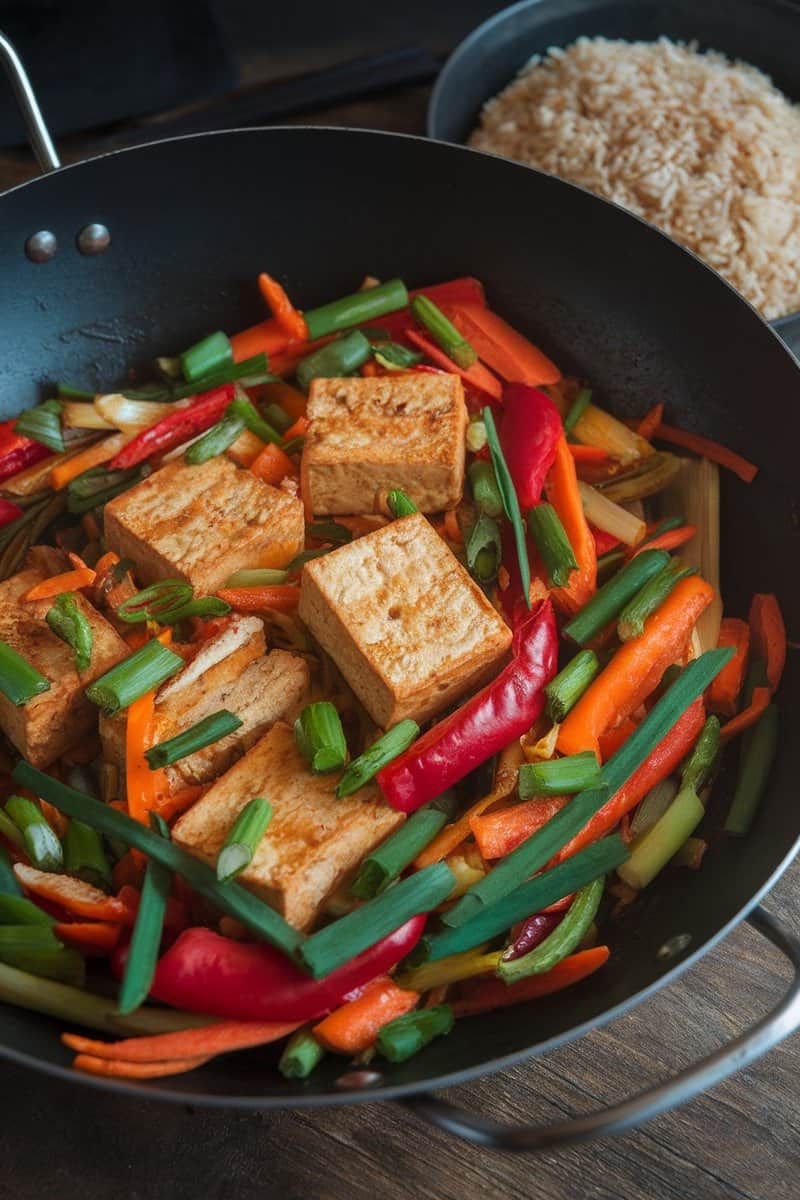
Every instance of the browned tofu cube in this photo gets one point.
(314, 840)
(202, 523)
(366, 435)
(403, 620)
(51, 723)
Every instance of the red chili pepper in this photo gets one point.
(250, 981)
(204, 411)
(502, 711)
(8, 512)
(603, 542)
(18, 453)
(529, 433)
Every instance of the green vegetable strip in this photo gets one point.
(257, 577)
(8, 880)
(756, 757)
(241, 408)
(664, 526)
(10, 832)
(252, 372)
(656, 847)
(407, 1035)
(484, 549)
(607, 603)
(300, 1055)
(277, 418)
(43, 424)
(242, 841)
(147, 668)
(96, 487)
(201, 606)
(358, 309)
(230, 898)
(581, 403)
(559, 776)
(329, 531)
(68, 392)
(394, 357)
(444, 332)
(140, 965)
(16, 910)
(565, 938)
(565, 690)
(648, 599)
(390, 859)
(338, 358)
(41, 843)
(216, 441)
(19, 681)
(510, 502)
(342, 940)
(530, 897)
(540, 847)
(320, 738)
(698, 767)
(552, 543)
(399, 504)
(84, 856)
(154, 601)
(35, 948)
(485, 491)
(69, 624)
(203, 733)
(387, 747)
(212, 354)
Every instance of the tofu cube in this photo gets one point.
(202, 523)
(392, 431)
(403, 621)
(51, 723)
(314, 840)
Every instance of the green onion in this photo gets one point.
(41, 843)
(300, 1055)
(483, 549)
(444, 332)
(241, 408)
(16, 910)
(395, 358)
(565, 938)
(755, 762)
(204, 358)
(485, 491)
(10, 832)
(342, 940)
(19, 681)
(653, 850)
(388, 861)
(306, 556)
(329, 531)
(358, 309)
(140, 965)
(294, 445)
(654, 805)
(606, 604)
(528, 897)
(698, 767)
(581, 403)
(510, 502)
(230, 898)
(552, 543)
(216, 441)
(387, 747)
(257, 577)
(648, 599)
(475, 439)
(338, 358)
(559, 776)
(68, 623)
(540, 847)
(203, 733)
(565, 689)
(67, 392)
(242, 841)
(155, 601)
(35, 948)
(42, 424)
(146, 669)
(278, 418)
(251, 372)
(407, 1035)
(399, 504)
(320, 737)
(84, 856)
(9, 886)
(95, 487)
(201, 606)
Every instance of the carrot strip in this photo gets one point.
(205, 1041)
(285, 363)
(768, 635)
(748, 716)
(477, 375)
(143, 786)
(666, 541)
(92, 456)
(283, 597)
(650, 422)
(266, 337)
(707, 449)
(484, 995)
(501, 347)
(723, 695)
(452, 527)
(289, 319)
(451, 837)
(354, 1027)
(73, 895)
(289, 398)
(498, 833)
(272, 465)
(298, 429)
(113, 1069)
(90, 937)
(172, 806)
(369, 370)
(129, 871)
(563, 494)
(588, 454)
(246, 449)
(69, 581)
(55, 819)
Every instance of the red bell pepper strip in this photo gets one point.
(603, 542)
(529, 434)
(18, 453)
(204, 411)
(455, 291)
(8, 512)
(250, 981)
(478, 376)
(492, 719)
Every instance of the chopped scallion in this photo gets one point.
(203, 733)
(400, 504)
(84, 856)
(510, 502)
(407, 1035)
(242, 841)
(559, 776)
(335, 360)
(565, 689)
(140, 964)
(42, 424)
(607, 603)
(216, 441)
(147, 668)
(444, 332)
(483, 549)
(579, 406)
(320, 737)
(41, 843)
(358, 309)
(552, 543)
(485, 491)
(19, 681)
(387, 862)
(206, 357)
(383, 751)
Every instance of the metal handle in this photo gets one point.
(783, 1020)
(38, 136)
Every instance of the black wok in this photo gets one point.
(191, 222)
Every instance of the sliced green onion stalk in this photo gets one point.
(10, 832)
(757, 754)
(387, 862)
(483, 549)
(358, 309)
(338, 358)
(19, 681)
(277, 417)
(300, 1055)
(329, 531)
(9, 887)
(294, 445)
(42, 424)
(581, 403)
(257, 577)
(68, 622)
(216, 441)
(395, 358)
(153, 602)
(35, 949)
(699, 766)
(653, 850)
(407, 1035)
(207, 356)
(654, 805)
(566, 688)
(510, 502)
(241, 408)
(559, 776)
(564, 939)
(97, 486)
(200, 606)
(444, 332)
(649, 599)
(41, 843)
(67, 392)
(320, 738)
(84, 856)
(203, 733)
(251, 372)
(475, 439)
(364, 768)
(607, 603)
(16, 910)
(483, 482)
(140, 964)
(399, 504)
(552, 543)
(305, 556)
(242, 841)
(147, 668)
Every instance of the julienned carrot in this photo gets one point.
(73, 895)
(498, 833)
(477, 375)
(205, 1042)
(90, 937)
(169, 806)
(484, 995)
(650, 422)
(587, 454)
(69, 581)
(273, 465)
(298, 429)
(119, 1069)
(748, 716)
(282, 597)
(289, 319)
(666, 541)
(723, 695)
(500, 346)
(290, 399)
(354, 1027)
(703, 446)
(143, 785)
(768, 635)
(92, 456)
(267, 337)
(563, 494)
(636, 669)
(453, 835)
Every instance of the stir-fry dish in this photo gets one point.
(357, 673)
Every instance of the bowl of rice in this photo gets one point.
(685, 114)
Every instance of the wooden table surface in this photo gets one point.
(741, 1140)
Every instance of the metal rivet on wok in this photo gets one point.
(93, 239)
(42, 246)
(674, 946)
(351, 1080)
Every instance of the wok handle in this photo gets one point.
(778, 1024)
(38, 135)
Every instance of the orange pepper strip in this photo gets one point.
(282, 597)
(172, 806)
(290, 399)
(498, 833)
(484, 995)
(143, 786)
(92, 456)
(354, 1027)
(90, 937)
(451, 837)
(290, 320)
(723, 694)
(69, 581)
(266, 337)
(117, 1069)
(666, 541)
(73, 895)
(563, 494)
(298, 429)
(272, 465)
(590, 454)
(748, 716)
(205, 1041)
(500, 346)
(768, 635)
